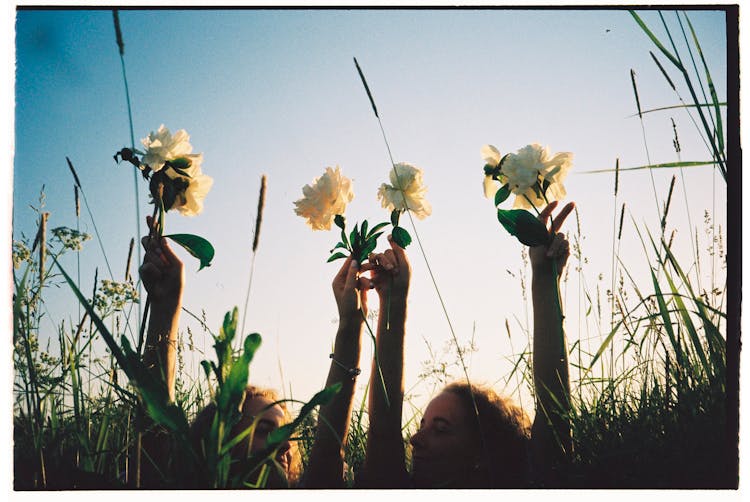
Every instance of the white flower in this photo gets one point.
(191, 185)
(190, 201)
(186, 186)
(405, 192)
(491, 157)
(532, 164)
(324, 199)
(162, 146)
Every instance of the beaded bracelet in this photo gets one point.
(353, 372)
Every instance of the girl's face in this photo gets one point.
(271, 417)
(442, 451)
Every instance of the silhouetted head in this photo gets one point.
(460, 445)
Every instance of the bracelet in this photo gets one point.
(353, 372)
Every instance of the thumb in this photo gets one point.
(168, 253)
(351, 275)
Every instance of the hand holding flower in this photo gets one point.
(350, 293)
(390, 272)
(161, 272)
(558, 249)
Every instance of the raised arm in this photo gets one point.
(384, 465)
(326, 466)
(550, 433)
(163, 278)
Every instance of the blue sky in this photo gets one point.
(275, 92)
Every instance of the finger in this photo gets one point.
(558, 246)
(168, 253)
(363, 301)
(351, 274)
(365, 283)
(560, 218)
(343, 271)
(152, 257)
(389, 261)
(149, 273)
(547, 212)
(367, 266)
(398, 251)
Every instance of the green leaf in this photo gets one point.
(181, 172)
(502, 194)
(340, 245)
(524, 226)
(369, 247)
(376, 228)
(344, 239)
(336, 257)
(179, 164)
(363, 230)
(394, 217)
(374, 237)
(340, 221)
(278, 436)
(353, 237)
(234, 387)
(206, 365)
(401, 236)
(196, 246)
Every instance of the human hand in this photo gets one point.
(390, 272)
(558, 249)
(161, 271)
(350, 296)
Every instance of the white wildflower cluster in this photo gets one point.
(21, 253)
(69, 238)
(113, 296)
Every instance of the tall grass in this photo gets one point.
(652, 401)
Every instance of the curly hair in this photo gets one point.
(501, 432)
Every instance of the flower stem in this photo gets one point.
(416, 234)
(531, 204)
(377, 359)
(154, 232)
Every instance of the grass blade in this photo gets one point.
(656, 41)
(689, 163)
(712, 89)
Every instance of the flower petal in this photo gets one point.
(491, 155)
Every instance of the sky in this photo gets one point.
(276, 92)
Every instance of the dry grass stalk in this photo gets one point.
(259, 217)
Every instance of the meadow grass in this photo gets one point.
(649, 400)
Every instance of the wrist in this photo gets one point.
(350, 322)
(394, 297)
(166, 306)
